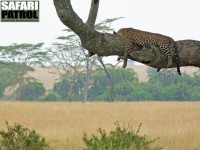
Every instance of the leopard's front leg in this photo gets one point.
(120, 57)
(125, 59)
(128, 45)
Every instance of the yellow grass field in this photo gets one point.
(176, 123)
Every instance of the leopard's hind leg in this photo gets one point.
(169, 55)
(169, 59)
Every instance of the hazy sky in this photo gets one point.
(179, 19)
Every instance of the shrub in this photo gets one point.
(50, 96)
(18, 137)
(30, 91)
(122, 138)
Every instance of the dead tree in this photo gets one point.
(105, 44)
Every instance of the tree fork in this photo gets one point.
(105, 44)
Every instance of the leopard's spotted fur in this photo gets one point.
(132, 36)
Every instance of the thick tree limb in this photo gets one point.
(105, 44)
(69, 17)
(189, 55)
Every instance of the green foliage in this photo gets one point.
(61, 88)
(31, 91)
(121, 79)
(18, 137)
(27, 54)
(104, 26)
(122, 138)
(132, 92)
(166, 77)
(16, 61)
(50, 96)
(1, 90)
(167, 85)
(9, 72)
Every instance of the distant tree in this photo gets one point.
(50, 96)
(196, 80)
(31, 91)
(164, 77)
(69, 64)
(126, 86)
(109, 80)
(166, 85)
(10, 74)
(21, 58)
(61, 88)
(7, 76)
(121, 81)
(70, 60)
(105, 26)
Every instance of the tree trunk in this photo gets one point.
(69, 92)
(86, 83)
(109, 79)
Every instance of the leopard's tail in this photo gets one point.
(177, 58)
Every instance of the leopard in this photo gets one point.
(133, 36)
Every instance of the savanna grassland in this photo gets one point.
(176, 123)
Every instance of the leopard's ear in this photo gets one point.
(114, 32)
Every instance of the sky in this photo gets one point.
(179, 19)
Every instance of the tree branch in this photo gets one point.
(93, 13)
(69, 18)
(189, 55)
(105, 44)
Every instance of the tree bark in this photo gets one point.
(189, 55)
(105, 44)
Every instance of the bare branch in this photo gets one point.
(93, 13)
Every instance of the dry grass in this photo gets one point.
(176, 123)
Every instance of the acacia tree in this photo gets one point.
(86, 65)
(70, 59)
(105, 44)
(9, 75)
(19, 59)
